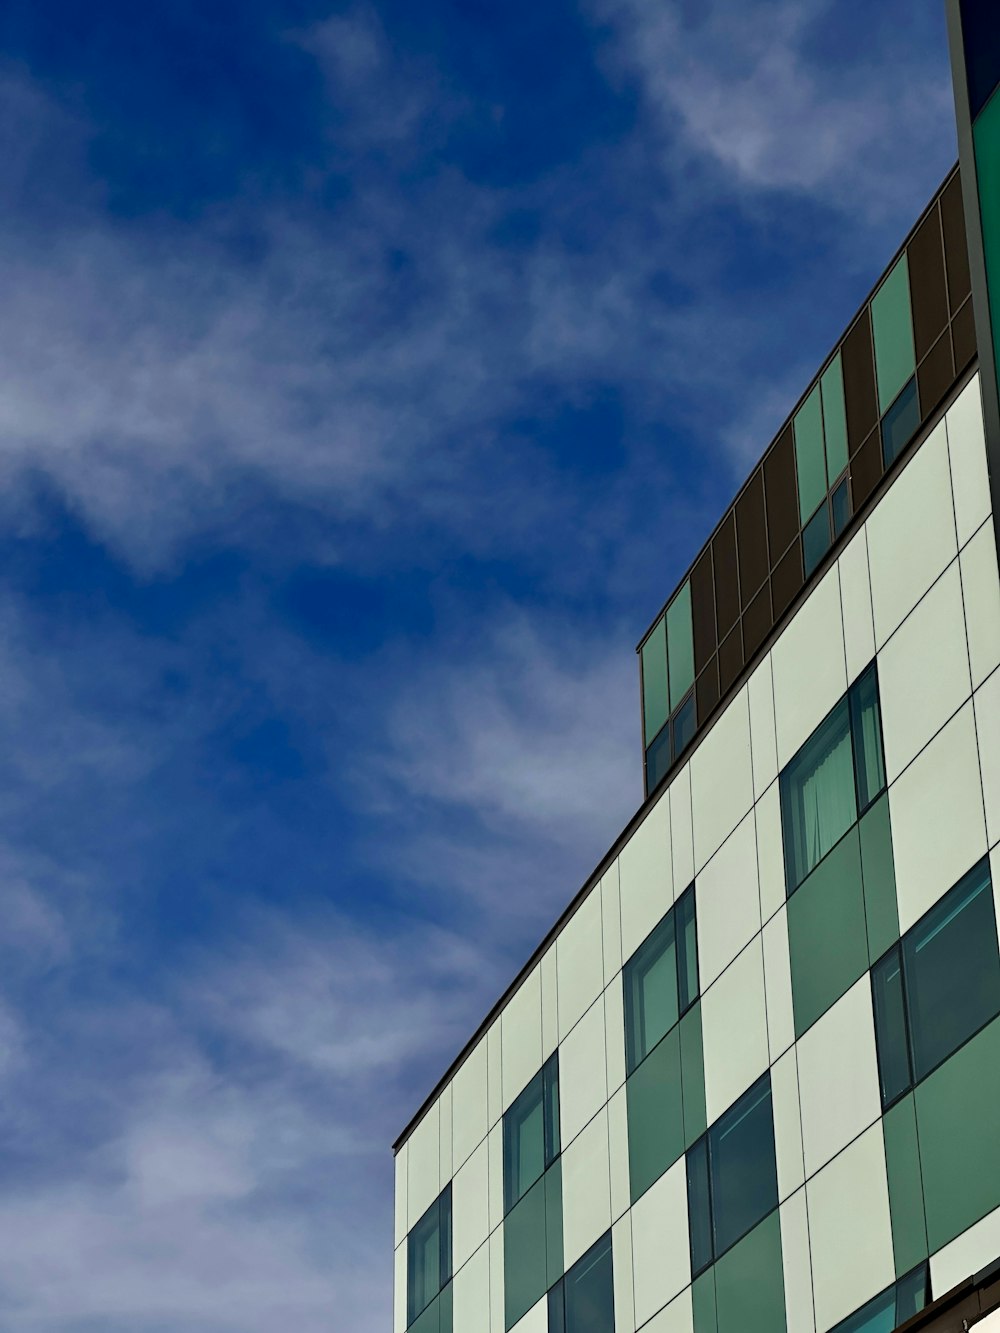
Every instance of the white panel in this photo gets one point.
(911, 534)
(678, 1317)
(468, 1104)
(621, 1262)
(494, 1083)
(447, 1167)
(981, 590)
(967, 1255)
(856, 599)
(423, 1166)
(471, 1294)
(787, 1124)
(838, 1076)
(497, 1312)
(728, 901)
(940, 790)
(550, 1005)
(660, 1249)
(614, 1032)
(399, 1291)
(851, 1246)
(681, 830)
(991, 1324)
(796, 1264)
(734, 1028)
(583, 1084)
(810, 673)
(763, 743)
(770, 852)
(967, 448)
(401, 1218)
(721, 779)
(495, 1157)
(536, 1320)
(611, 917)
(644, 868)
(621, 1196)
(586, 1189)
(923, 673)
(778, 985)
(987, 703)
(521, 1036)
(580, 961)
(470, 1203)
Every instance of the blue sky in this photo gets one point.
(370, 375)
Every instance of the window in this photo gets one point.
(891, 1307)
(938, 986)
(732, 1177)
(669, 717)
(892, 329)
(584, 1301)
(815, 539)
(900, 423)
(428, 1263)
(660, 980)
(531, 1133)
(832, 780)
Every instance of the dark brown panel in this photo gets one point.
(703, 609)
(786, 580)
(963, 335)
(928, 291)
(751, 536)
(956, 249)
(935, 375)
(757, 621)
(780, 494)
(859, 382)
(727, 590)
(707, 690)
(866, 469)
(730, 660)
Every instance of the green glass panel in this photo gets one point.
(655, 1115)
(878, 871)
(693, 1075)
(524, 1253)
(892, 328)
(703, 1303)
(959, 1143)
(447, 1304)
(986, 137)
(430, 1320)
(553, 1224)
(810, 455)
(749, 1282)
(834, 418)
(680, 645)
(827, 938)
(906, 1194)
(655, 708)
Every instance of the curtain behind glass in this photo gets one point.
(818, 801)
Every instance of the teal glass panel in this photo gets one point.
(866, 730)
(524, 1142)
(552, 1180)
(906, 1193)
(892, 329)
(655, 706)
(687, 949)
(818, 802)
(815, 539)
(900, 423)
(986, 139)
(655, 1109)
(550, 1102)
(810, 456)
(750, 1284)
(680, 645)
(683, 727)
(658, 760)
(834, 418)
(428, 1257)
(959, 1143)
(693, 1075)
(438, 1317)
(703, 1303)
(525, 1253)
(878, 1316)
(913, 1293)
(840, 508)
(744, 1178)
(879, 877)
(827, 939)
(589, 1291)
(649, 980)
(891, 1036)
(699, 1193)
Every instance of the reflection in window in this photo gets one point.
(891, 1307)
(531, 1133)
(660, 980)
(428, 1261)
(900, 423)
(815, 539)
(584, 1301)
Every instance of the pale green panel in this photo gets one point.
(680, 645)
(834, 418)
(892, 327)
(654, 680)
(810, 455)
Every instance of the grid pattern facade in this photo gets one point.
(782, 994)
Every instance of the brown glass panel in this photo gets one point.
(786, 580)
(782, 499)
(935, 375)
(866, 469)
(963, 334)
(929, 294)
(707, 690)
(703, 609)
(730, 660)
(757, 621)
(859, 382)
(956, 250)
(751, 536)
(727, 590)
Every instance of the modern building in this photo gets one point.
(750, 1080)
